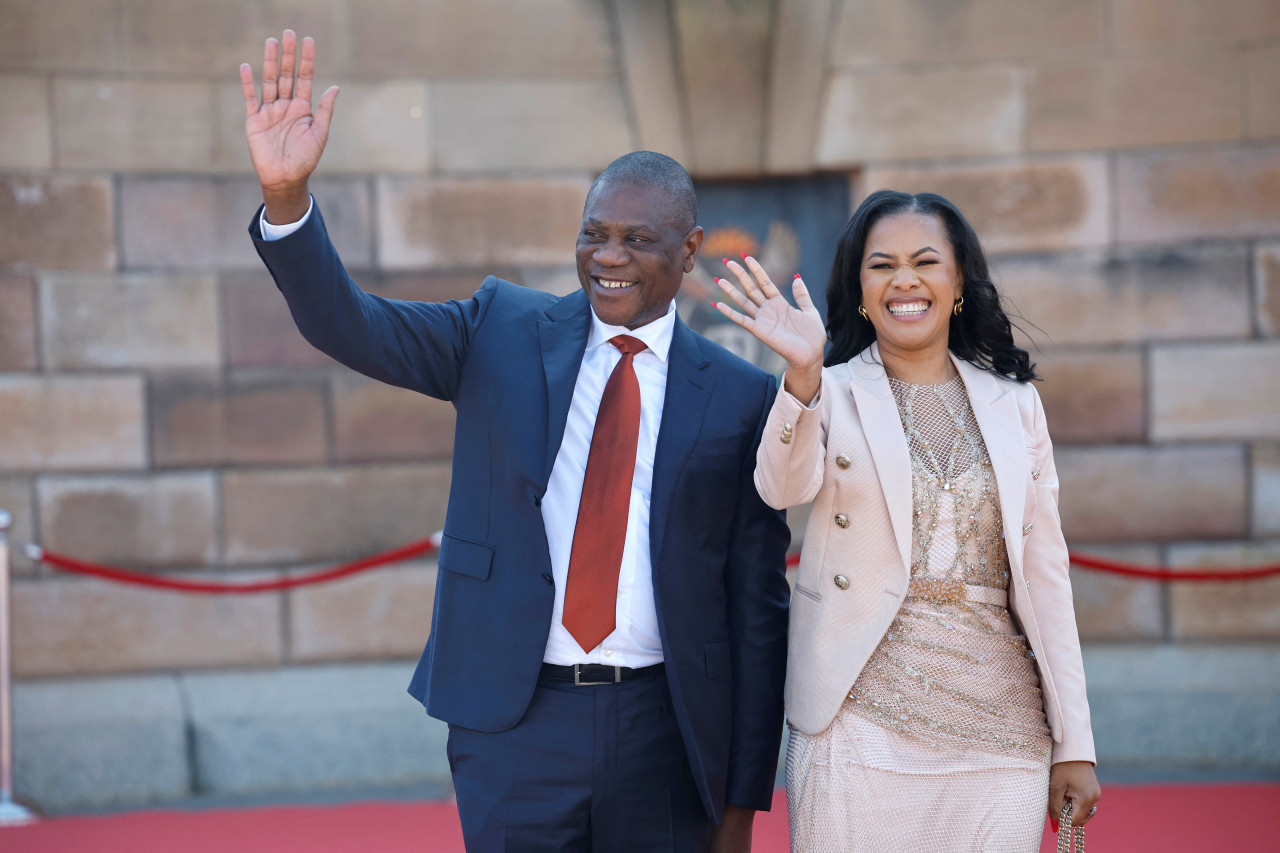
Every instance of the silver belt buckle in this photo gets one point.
(578, 682)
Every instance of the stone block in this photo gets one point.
(647, 52)
(871, 33)
(100, 743)
(482, 38)
(1130, 295)
(480, 222)
(724, 51)
(1154, 24)
(157, 520)
(196, 37)
(168, 222)
(437, 286)
(312, 728)
(1263, 86)
(325, 514)
(1093, 397)
(1224, 696)
(970, 112)
(77, 626)
(377, 127)
(1109, 607)
(529, 124)
(560, 280)
(69, 35)
(1265, 499)
(17, 495)
(1128, 493)
(260, 330)
(18, 324)
(381, 614)
(1027, 206)
(25, 136)
(56, 223)
(133, 125)
(1266, 283)
(252, 422)
(130, 320)
(1197, 194)
(344, 203)
(1230, 609)
(77, 422)
(1129, 102)
(792, 116)
(377, 422)
(1216, 391)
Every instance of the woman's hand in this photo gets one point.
(285, 137)
(796, 334)
(1074, 781)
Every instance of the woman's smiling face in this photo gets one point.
(910, 282)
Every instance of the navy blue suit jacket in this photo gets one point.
(508, 360)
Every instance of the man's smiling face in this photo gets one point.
(632, 254)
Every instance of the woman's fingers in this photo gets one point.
(747, 306)
(746, 281)
(736, 316)
(801, 294)
(306, 70)
(762, 278)
(288, 57)
(270, 70)
(250, 94)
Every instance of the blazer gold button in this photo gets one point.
(843, 461)
(842, 520)
(1035, 475)
(786, 434)
(842, 582)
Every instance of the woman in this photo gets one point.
(935, 690)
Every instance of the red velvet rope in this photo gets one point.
(81, 567)
(428, 546)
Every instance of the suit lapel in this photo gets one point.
(996, 410)
(563, 339)
(689, 387)
(882, 426)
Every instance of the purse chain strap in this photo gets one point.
(1070, 838)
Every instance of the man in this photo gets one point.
(608, 638)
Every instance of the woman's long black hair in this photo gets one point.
(981, 333)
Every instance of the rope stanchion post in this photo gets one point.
(11, 814)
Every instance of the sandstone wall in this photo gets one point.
(1121, 159)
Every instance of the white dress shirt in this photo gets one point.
(635, 641)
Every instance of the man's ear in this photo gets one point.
(692, 243)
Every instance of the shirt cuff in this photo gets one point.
(276, 232)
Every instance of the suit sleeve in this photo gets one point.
(758, 595)
(1047, 564)
(421, 346)
(792, 456)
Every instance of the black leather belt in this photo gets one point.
(591, 674)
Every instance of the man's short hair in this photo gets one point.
(651, 169)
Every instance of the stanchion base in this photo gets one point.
(12, 814)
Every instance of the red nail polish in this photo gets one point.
(726, 260)
(797, 275)
(713, 304)
(1053, 824)
(744, 255)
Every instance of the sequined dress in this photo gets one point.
(942, 744)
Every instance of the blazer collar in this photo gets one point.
(562, 336)
(994, 407)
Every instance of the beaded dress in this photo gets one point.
(942, 743)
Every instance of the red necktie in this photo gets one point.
(591, 592)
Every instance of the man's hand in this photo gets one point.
(733, 835)
(285, 138)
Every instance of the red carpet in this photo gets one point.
(1138, 819)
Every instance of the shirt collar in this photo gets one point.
(656, 335)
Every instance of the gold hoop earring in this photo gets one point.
(862, 309)
(959, 306)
